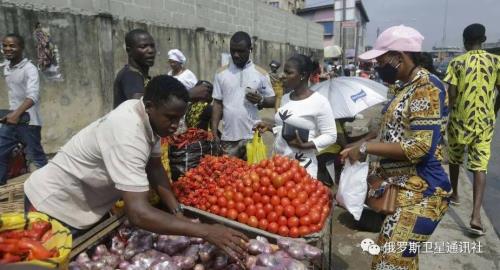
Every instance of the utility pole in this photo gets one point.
(443, 41)
(342, 30)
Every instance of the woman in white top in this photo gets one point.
(176, 61)
(304, 109)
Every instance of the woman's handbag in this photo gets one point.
(381, 195)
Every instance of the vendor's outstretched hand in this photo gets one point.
(232, 242)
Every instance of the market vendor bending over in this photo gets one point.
(118, 156)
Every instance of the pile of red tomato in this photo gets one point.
(276, 195)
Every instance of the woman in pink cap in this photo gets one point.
(409, 148)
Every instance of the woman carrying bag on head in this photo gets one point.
(410, 147)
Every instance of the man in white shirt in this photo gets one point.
(23, 84)
(118, 156)
(240, 89)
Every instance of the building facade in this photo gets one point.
(289, 5)
(330, 14)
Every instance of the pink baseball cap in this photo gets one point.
(396, 38)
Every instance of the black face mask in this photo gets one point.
(387, 73)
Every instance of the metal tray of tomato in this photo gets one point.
(252, 231)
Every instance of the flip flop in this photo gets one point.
(476, 230)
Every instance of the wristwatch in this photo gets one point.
(362, 150)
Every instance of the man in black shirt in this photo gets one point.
(132, 79)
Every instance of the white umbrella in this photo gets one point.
(332, 51)
(350, 95)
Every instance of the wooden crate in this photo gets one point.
(96, 235)
(322, 239)
(12, 197)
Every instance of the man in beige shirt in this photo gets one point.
(118, 156)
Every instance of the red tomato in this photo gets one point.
(256, 197)
(275, 200)
(281, 192)
(228, 194)
(279, 209)
(296, 202)
(240, 186)
(232, 214)
(247, 182)
(304, 230)
(253, 221)
(268, 208)
(247, 201)
(262, 190)
(212, 199)
(263, 223)
(283, 231)
(271, 191)
(305, 220)
(251, 210)
(255, 187)
(259, 171)
(285, 201)
(265, 181)
(302, 171)
(272, 217)
(247, 191)
(254, 176)
(259, 205)
(215, 209)
(289, 184)
(292, 193)
(260, 213)
(294, 232)
(231, 204)
(273, 227)
(289, 211)
(282, 221)
(273, 175)
(285, 175)
(265, 199)
(240, 207)
(313, 200)
(238, 197)
(293, 222)
(243, 218)
(315, 228)
(222, 202)
(302, 196)
(301, 210)
(315, 217)
(223, 212)
(278, 181)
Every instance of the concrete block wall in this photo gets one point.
(91, 48)
(220, 16)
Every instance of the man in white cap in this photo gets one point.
(176, 61)
(410, 147)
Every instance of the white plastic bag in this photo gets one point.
(353, 187)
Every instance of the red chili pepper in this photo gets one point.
(17, 234)
(36, 249)
(9, 258)
(46, 236)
